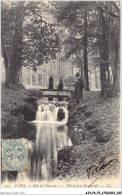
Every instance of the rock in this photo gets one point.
(16, 111)
(64, 154)
(27, 110)
(70, 123)
(79, 122)
(91, 133)
(102, 138)
(77, 119)
(82, 108)
(32, 100)
(71, 120)
(75, 128)
(20, 116)
(77, 111)
(78, 137)
(87, 113)
(61, 114)
(36, 92)
(64, 161)
(72, 113)
(94, 132)
(91, 124)
(71, 105)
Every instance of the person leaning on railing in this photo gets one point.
(79, 85)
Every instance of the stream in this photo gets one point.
(47, 134)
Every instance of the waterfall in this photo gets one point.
(51, 136)
(52, 113)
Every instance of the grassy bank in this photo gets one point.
(17, 105)
(92, 144)
(10, 99)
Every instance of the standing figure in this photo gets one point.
(51, 80)
(60, 86)
(79, 85)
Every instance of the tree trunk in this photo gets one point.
(104, 57)
(85, 53)
(96, 83)
(15, 62)
(7, 70)
(79, 56)
(6, 63)
(13, 75)
(82, 70)
(116, 85)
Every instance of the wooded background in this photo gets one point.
(34, 32)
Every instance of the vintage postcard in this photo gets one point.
(60, 96)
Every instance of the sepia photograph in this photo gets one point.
(60, 94)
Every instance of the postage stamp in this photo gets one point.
(15, 154)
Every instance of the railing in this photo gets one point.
(56, 92)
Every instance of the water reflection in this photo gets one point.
(48, 140)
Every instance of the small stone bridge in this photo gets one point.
(56, 93)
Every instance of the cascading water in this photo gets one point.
(49, 136)
(50, 113)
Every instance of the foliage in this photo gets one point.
(71, 14)
(26, 38)
(42, 42)
(8, 28)
(88, 30)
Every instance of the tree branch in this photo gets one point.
(117, 8)
(103, 10)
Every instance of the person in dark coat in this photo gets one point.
(51, 81)
(79, 85)
(60, 86)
